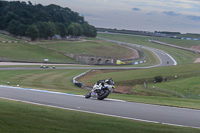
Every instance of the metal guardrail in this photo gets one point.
(79, 84)
(74, 79)
(174, 46)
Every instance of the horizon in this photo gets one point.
(139, 15)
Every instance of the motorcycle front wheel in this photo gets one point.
(103, 95)
(88, 95)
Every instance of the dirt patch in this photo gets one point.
(197, 60)
(123, 89)
(196, 47)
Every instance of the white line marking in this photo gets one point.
(46, 91)
(115, 100)
(175, 63)
(158, 57)
(135, 119)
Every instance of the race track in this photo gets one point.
(128, 110)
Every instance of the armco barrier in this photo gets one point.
(79, 84)
(175, 46)
(74, 79)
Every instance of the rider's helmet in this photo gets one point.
(109, 81)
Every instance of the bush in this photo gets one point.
(158, 79)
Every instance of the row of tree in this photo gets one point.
(38, 21)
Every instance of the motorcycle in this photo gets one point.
(101, 89)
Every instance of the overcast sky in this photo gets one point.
(146, 15)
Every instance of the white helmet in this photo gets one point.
(109, 81)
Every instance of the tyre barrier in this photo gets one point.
(8, 41)
(79, 85)
(195, 39)
(138, 62)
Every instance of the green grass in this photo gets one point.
(151, 59)
(50, 65)
(31, 53)
(92, 47)
(180, 42)
(7, 38)
(21, 117)
(55, 80)
(156, 92)
(189, 35)
(186, 85)
(157, 100)
(127, 76)
(181, 56)
(38, 52)
(62, 79)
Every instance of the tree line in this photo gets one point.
(38, 21)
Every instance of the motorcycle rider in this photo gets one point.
(101, 89)
(107, 83)
(110, 84)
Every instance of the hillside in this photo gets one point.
(91, 47)
(12, 49)
(30, 53)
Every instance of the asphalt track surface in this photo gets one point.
(110, 107)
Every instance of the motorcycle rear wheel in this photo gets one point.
(104, 95)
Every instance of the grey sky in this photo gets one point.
(148, 15)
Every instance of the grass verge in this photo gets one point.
(52, 79)
(164, 101)
(21, 117)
